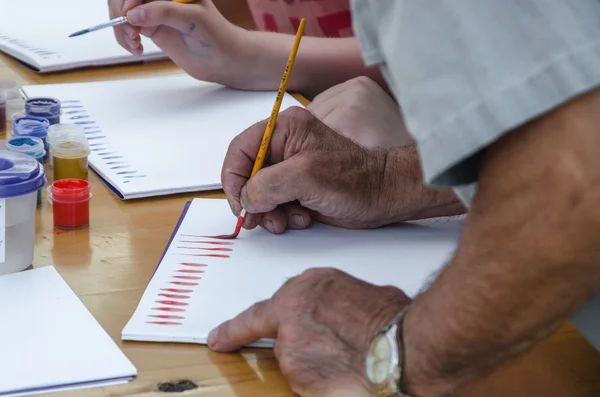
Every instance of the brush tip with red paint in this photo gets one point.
(238, 228)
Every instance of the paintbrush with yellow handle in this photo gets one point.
(266, 140)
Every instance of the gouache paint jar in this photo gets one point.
(70, 200)
(63, 131)
(30, 146)
(46, 107)
(21, 176)
(32, 126)
(70, 157)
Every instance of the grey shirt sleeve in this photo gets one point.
(465, 72)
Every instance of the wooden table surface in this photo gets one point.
(109, 264)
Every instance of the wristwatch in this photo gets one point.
(384, 361)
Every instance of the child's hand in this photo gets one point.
(195, 36)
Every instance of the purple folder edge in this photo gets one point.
(186, 207)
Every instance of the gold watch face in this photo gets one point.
(379, 360)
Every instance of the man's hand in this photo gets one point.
(362, 111)
(323, 320)
(312, 172)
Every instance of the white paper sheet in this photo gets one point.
(161, 135)
(193, 294)
(49, 341)
(36, 32)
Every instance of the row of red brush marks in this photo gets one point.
(174, 300)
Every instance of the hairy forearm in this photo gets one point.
(405, 197)
(527, 259)
(320, 63)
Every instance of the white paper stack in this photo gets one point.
(49, 341)
(36, 33)
(202, 281)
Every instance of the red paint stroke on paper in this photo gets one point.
(206, 249)
(163, 322)
(207, 242)
(208, 255)
(190, 271)
(178, 290)
(168, 309)
(172, 303)
(184, 283)
(188, 277)
(167, 316)
(193, 264)
(174, 296)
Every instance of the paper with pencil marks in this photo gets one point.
(202, 281)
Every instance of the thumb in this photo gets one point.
(278, 184)
(168, 13)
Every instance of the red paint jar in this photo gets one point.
(70, 200)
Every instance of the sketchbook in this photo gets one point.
(49, 340)
(162, 135)
(36, 32)
(201, 282)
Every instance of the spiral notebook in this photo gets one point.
(201, 281)
(36, 33)
(50, 342)
(162, 135)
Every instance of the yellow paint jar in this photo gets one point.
(70, 158)
(65, 132)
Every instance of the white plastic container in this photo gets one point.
(21, 176)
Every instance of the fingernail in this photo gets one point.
(298, 220)
(244, 200)
(128, 31)
(269, 225)
(212, 337)
(136, 15)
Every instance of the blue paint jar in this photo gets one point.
(32, 126)
(30, 146)
(46, 107)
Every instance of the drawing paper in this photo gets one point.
(198, 285)
(36, 33)
(161, 135)
(49, 341)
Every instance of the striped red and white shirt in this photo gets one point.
(324, 18)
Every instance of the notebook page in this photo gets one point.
(160, 135)
(36, 31)
(200, 284)
(49, 340)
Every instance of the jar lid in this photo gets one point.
(68, 145)
(64, 130)
(20, 174)
(70, 190)
(31, 126)
(43, 104)
(27, 144)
